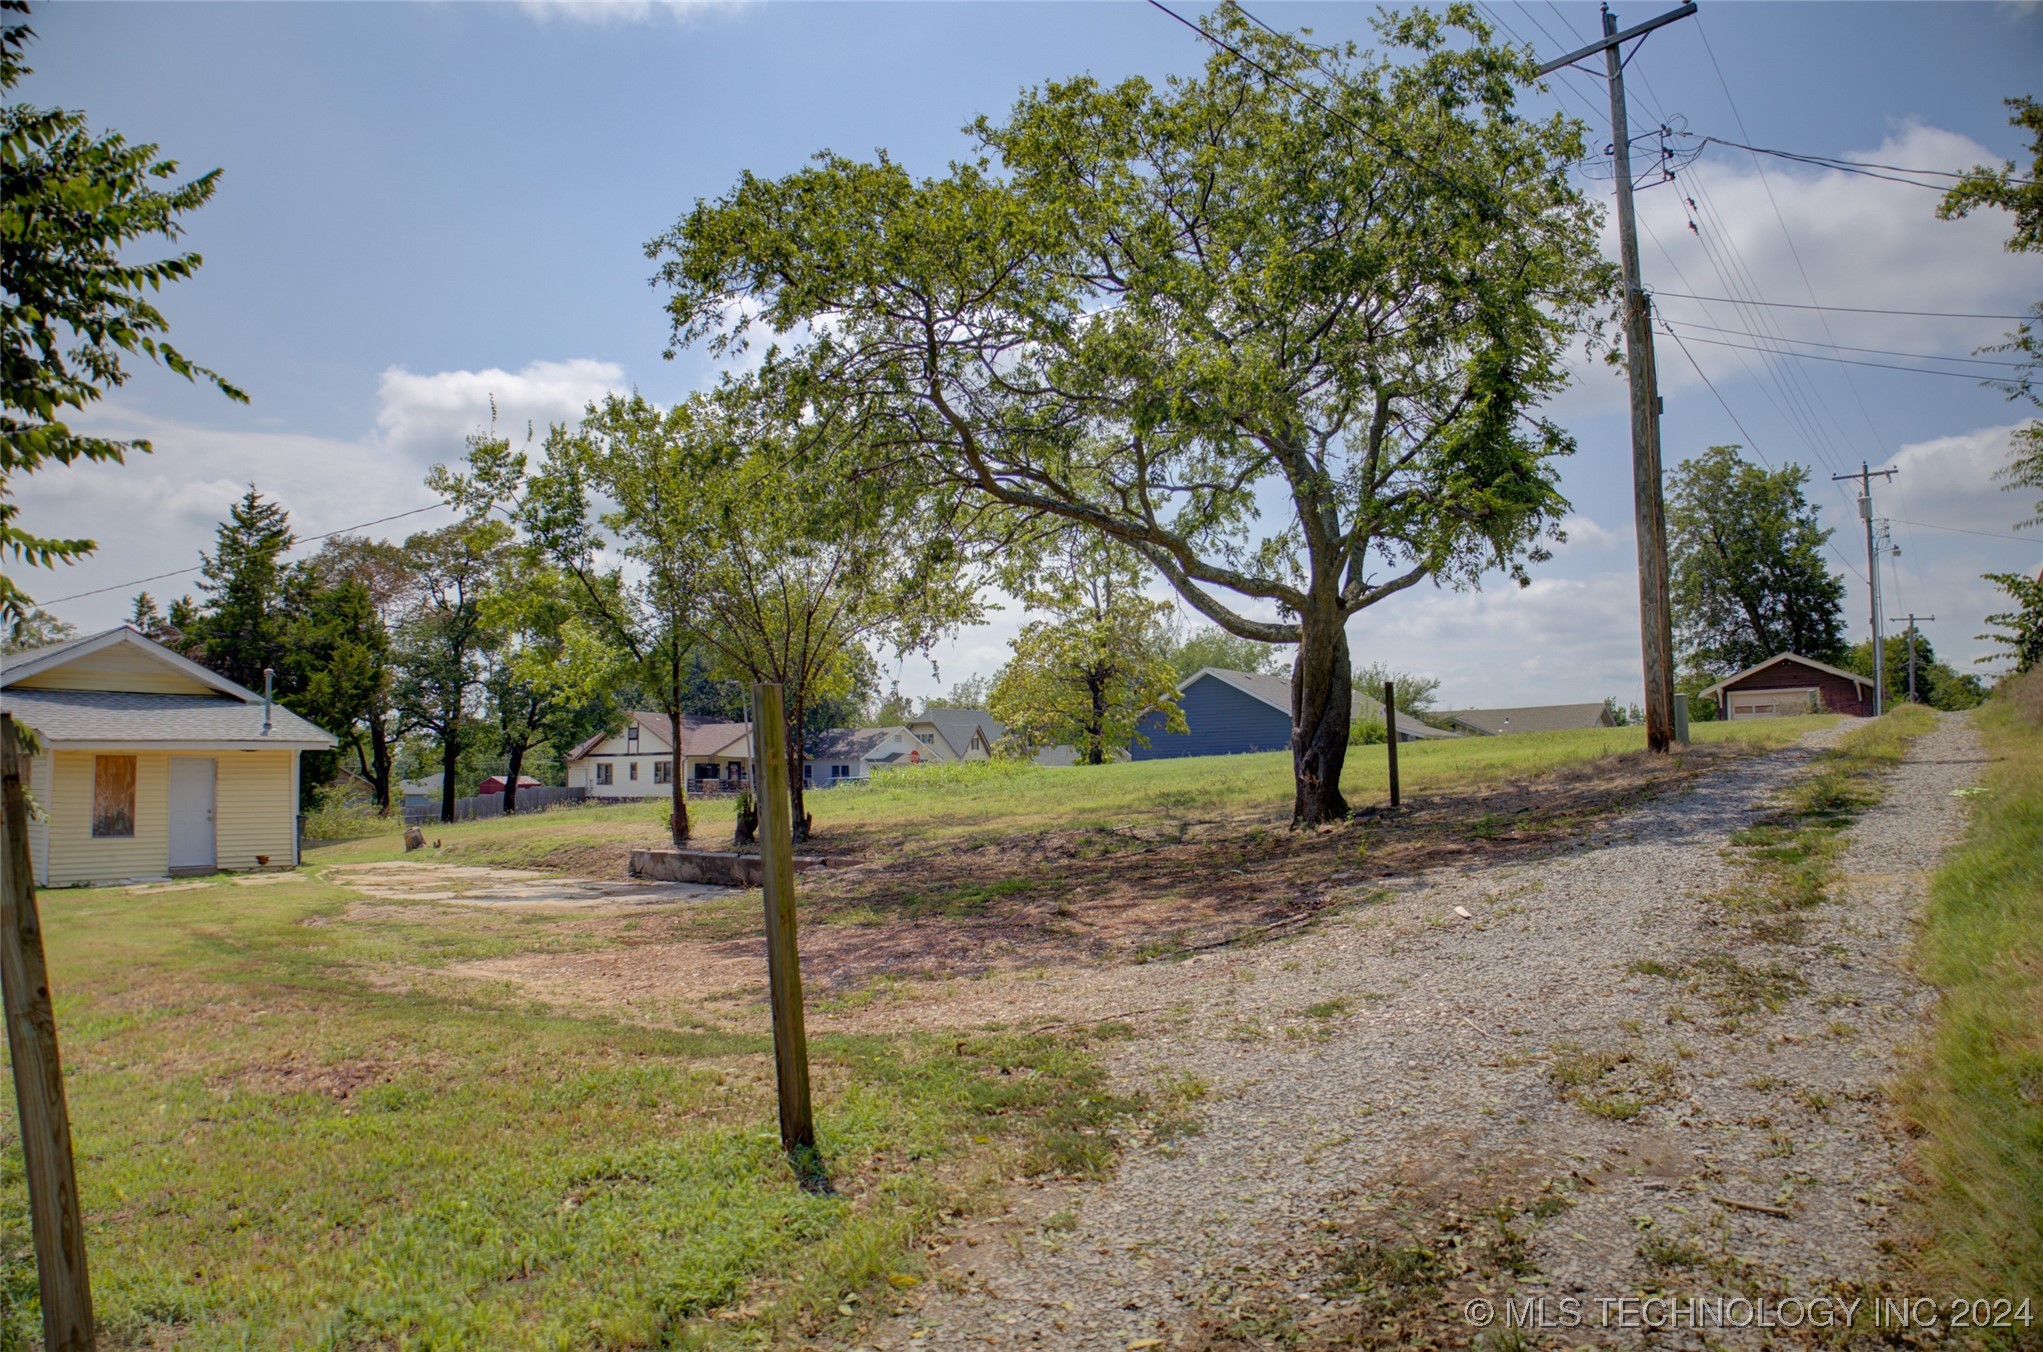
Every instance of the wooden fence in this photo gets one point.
(492, 804)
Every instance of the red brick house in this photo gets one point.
(1783, 686)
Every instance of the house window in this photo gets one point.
(603, 772)
(840, 772)
(705, 771)
(926, 738)
(631, 738)
(663, 772)
(632, 774)
(113, 796)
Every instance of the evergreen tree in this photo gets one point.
(1749, 580)
(148, 618)
(243, 627)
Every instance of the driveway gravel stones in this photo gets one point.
(1580, 1077)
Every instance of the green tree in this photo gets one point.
(810, 555)
(622, 485)
(2023, 626)
(444, 643)
(1090, 675)
(2019, 192)
(970, 693)
(336, 672)
(74, 208)
(892, 710)
(148, 617)
(1937, 684)
(1194, 647)
(550, 685)
(1280, 328)
(1748, 576)
(35, 628)
(241, 629)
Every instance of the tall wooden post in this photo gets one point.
(1649, 512)
(783, 962)
(58, 1229)
(1390, 734)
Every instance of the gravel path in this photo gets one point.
(1583, 1076)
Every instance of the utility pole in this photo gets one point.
(1656, 637)
(1911, 653)
(1864, 478)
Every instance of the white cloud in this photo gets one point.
(158, 511)
(433, 415)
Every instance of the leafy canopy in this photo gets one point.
(1748, 576)
(1287, 362)
(73, 209)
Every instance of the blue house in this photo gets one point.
(1231, 713)
(1227, 713)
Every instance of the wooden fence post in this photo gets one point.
(1390, 734)
(775, 805)
(58, 1229)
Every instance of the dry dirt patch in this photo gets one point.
(467, 885)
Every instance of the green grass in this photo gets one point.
(1119, 805)
(273, 1151)
(1978, 1098)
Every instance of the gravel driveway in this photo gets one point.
(1575, 1077)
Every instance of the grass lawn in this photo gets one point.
(1978, 1098)
(274, 1152)
(965, 804)
(303, 1120)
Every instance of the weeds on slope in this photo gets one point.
(1976, 1101)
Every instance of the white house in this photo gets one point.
(949, 735)
(854, 753)
(638, 760)
(151, 764)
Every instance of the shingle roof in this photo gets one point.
(956, 727)
(1851, 676)
(701, 735)
(843, 744)
(1531, 718)
(121, 716)
(1274, 691)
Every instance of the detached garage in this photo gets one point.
(151, 764)
(1789, 685)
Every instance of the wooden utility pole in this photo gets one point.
(54, 1220)
(1864, 479)
(1911, 652)
(1649, 511)
(1390, 731)
(783, 961)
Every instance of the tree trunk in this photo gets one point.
(680, 792)
(511, 780)
(450, 760)
(379, 761)
(1096, 727)
(1321, 703)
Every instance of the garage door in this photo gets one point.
(1774, 703)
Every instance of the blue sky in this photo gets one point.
(425, 205)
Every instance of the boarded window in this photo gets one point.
(113, 796)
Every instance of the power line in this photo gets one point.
(1840, 309)
(1739, 423)
(180, 572)
(1851, 166)
(1852, 361)
(1967, 530)
(1844, 347)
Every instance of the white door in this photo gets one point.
(192, 780)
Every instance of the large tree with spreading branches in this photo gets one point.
(1281, 328)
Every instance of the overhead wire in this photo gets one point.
(1844, 347)
(1846, 309)
(296, 541)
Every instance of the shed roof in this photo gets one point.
(1811, 662)
(119, 717)
(1529, 718)
(233, 714)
